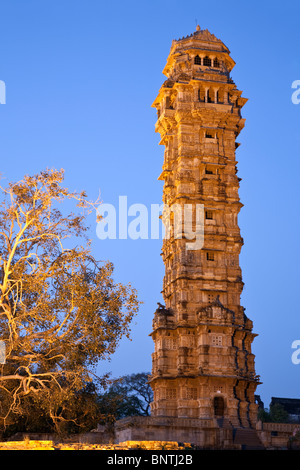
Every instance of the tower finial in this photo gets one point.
(198, 28)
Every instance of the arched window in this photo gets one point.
(216, 63)
(207, 61)
(197, 60)
(219, 406)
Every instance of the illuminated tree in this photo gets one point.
(60, 310)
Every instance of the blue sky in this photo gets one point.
(80, 80)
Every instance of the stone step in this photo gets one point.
(247, 438)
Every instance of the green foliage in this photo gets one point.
(129, 395)
(263, 415)
(276, 414)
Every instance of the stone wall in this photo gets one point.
(202, 433)
(279, 435)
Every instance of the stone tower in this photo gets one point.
(202, 366)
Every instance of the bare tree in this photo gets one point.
(60, 310)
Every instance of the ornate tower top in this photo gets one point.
(199, 61)
(200, 44)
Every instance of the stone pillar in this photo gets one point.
(202, 287)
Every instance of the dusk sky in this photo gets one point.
(80, 79)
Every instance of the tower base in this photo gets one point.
(202, 433)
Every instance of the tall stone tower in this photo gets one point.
(203, 366)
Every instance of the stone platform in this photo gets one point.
(203, 433)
